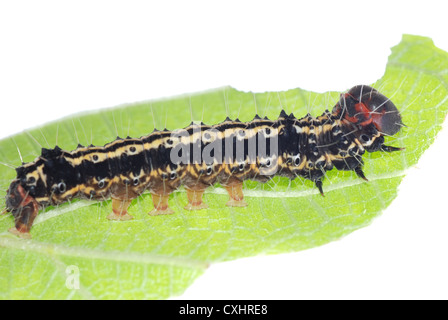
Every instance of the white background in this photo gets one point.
(60, 57)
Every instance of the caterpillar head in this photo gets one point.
(363, 105)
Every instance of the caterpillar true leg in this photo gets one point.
(390, 148)
(319, 186)
(360, 173)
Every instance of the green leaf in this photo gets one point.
(158, 257)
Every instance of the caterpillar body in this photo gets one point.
(202, 155)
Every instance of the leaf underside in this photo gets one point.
(158, 257)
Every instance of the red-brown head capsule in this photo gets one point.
(364, 105)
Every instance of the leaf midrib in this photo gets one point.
(11, 242)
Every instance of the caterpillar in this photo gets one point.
(201, 155)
